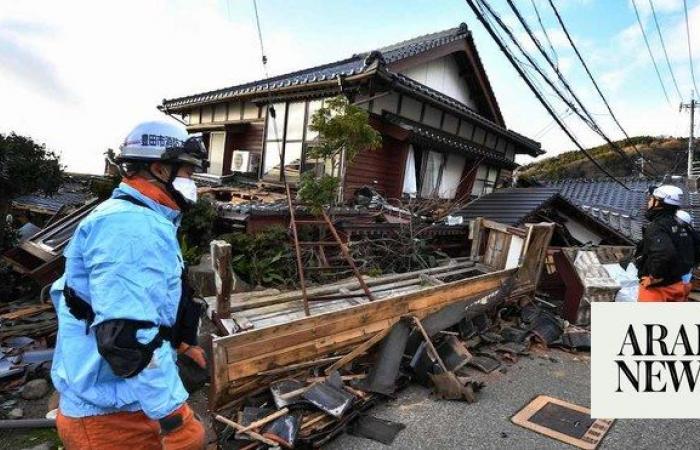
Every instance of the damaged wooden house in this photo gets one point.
(430, 98)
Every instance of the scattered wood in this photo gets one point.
(239, 427)
(265, 420)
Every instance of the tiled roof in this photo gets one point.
(510, 206)
(69, 194)
(516, 206)
(433, 135)
(621, 208)
(367, 63)
(354, 65)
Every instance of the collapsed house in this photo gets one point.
(623, 209)
(574, 225)
(442, 130)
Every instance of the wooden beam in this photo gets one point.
(359, 350)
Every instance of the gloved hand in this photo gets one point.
(650, 281)
(194, 352)
(182, 431)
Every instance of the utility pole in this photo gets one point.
(691, 106)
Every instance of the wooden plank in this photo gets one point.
(239, 427)
(25, 312)
(290, 355)
(333, 288)
(398, 306)
(312, 326)
(256, 342)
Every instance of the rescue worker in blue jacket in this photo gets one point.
(121, 305)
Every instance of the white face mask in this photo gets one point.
(186, 187)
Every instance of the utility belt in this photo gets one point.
(116, 339)
(184, 329)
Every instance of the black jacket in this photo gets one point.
(667, 250)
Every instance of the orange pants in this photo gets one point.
(130, 430)
(676, 292)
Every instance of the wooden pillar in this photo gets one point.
(223, 277)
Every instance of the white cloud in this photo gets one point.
(80, 74)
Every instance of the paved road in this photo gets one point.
(432, 424)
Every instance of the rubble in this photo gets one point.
(309, 378)
(35, 389)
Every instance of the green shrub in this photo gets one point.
(265, 258)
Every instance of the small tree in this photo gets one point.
(25, 167)
(343, 131)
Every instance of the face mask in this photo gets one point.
(186, 187)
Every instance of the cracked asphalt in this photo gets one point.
(436, 424)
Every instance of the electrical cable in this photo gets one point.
(481, 17)
(690, 52)
(663, 46)
(271, 112)
(651, 55)
(590, 121)
(544, 31)
(595, 83)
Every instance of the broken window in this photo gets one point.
(485, 182)
(286, 139)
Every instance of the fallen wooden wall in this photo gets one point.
(240, 359)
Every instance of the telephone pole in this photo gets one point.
(691, 106)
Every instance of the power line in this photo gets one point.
(260, 38)
(534, 90)
(544, 31)
(272, 113)
(690, 52)
(590, 121)
(663, 46)
(651, 55)
(595, 84)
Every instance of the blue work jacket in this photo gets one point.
(125, 261)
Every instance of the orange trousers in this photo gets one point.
(130, 430)
(676, 292)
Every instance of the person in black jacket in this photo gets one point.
(666, 252)
(686, 221)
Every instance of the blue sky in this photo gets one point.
(77, 74)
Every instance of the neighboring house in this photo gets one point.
(442, 129)
(623, 209)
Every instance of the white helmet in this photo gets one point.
(163, 141)
(684, 217)
(670, 195)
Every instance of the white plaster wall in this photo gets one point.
(442, 74)
(579, 231)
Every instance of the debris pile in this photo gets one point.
(452, 351)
